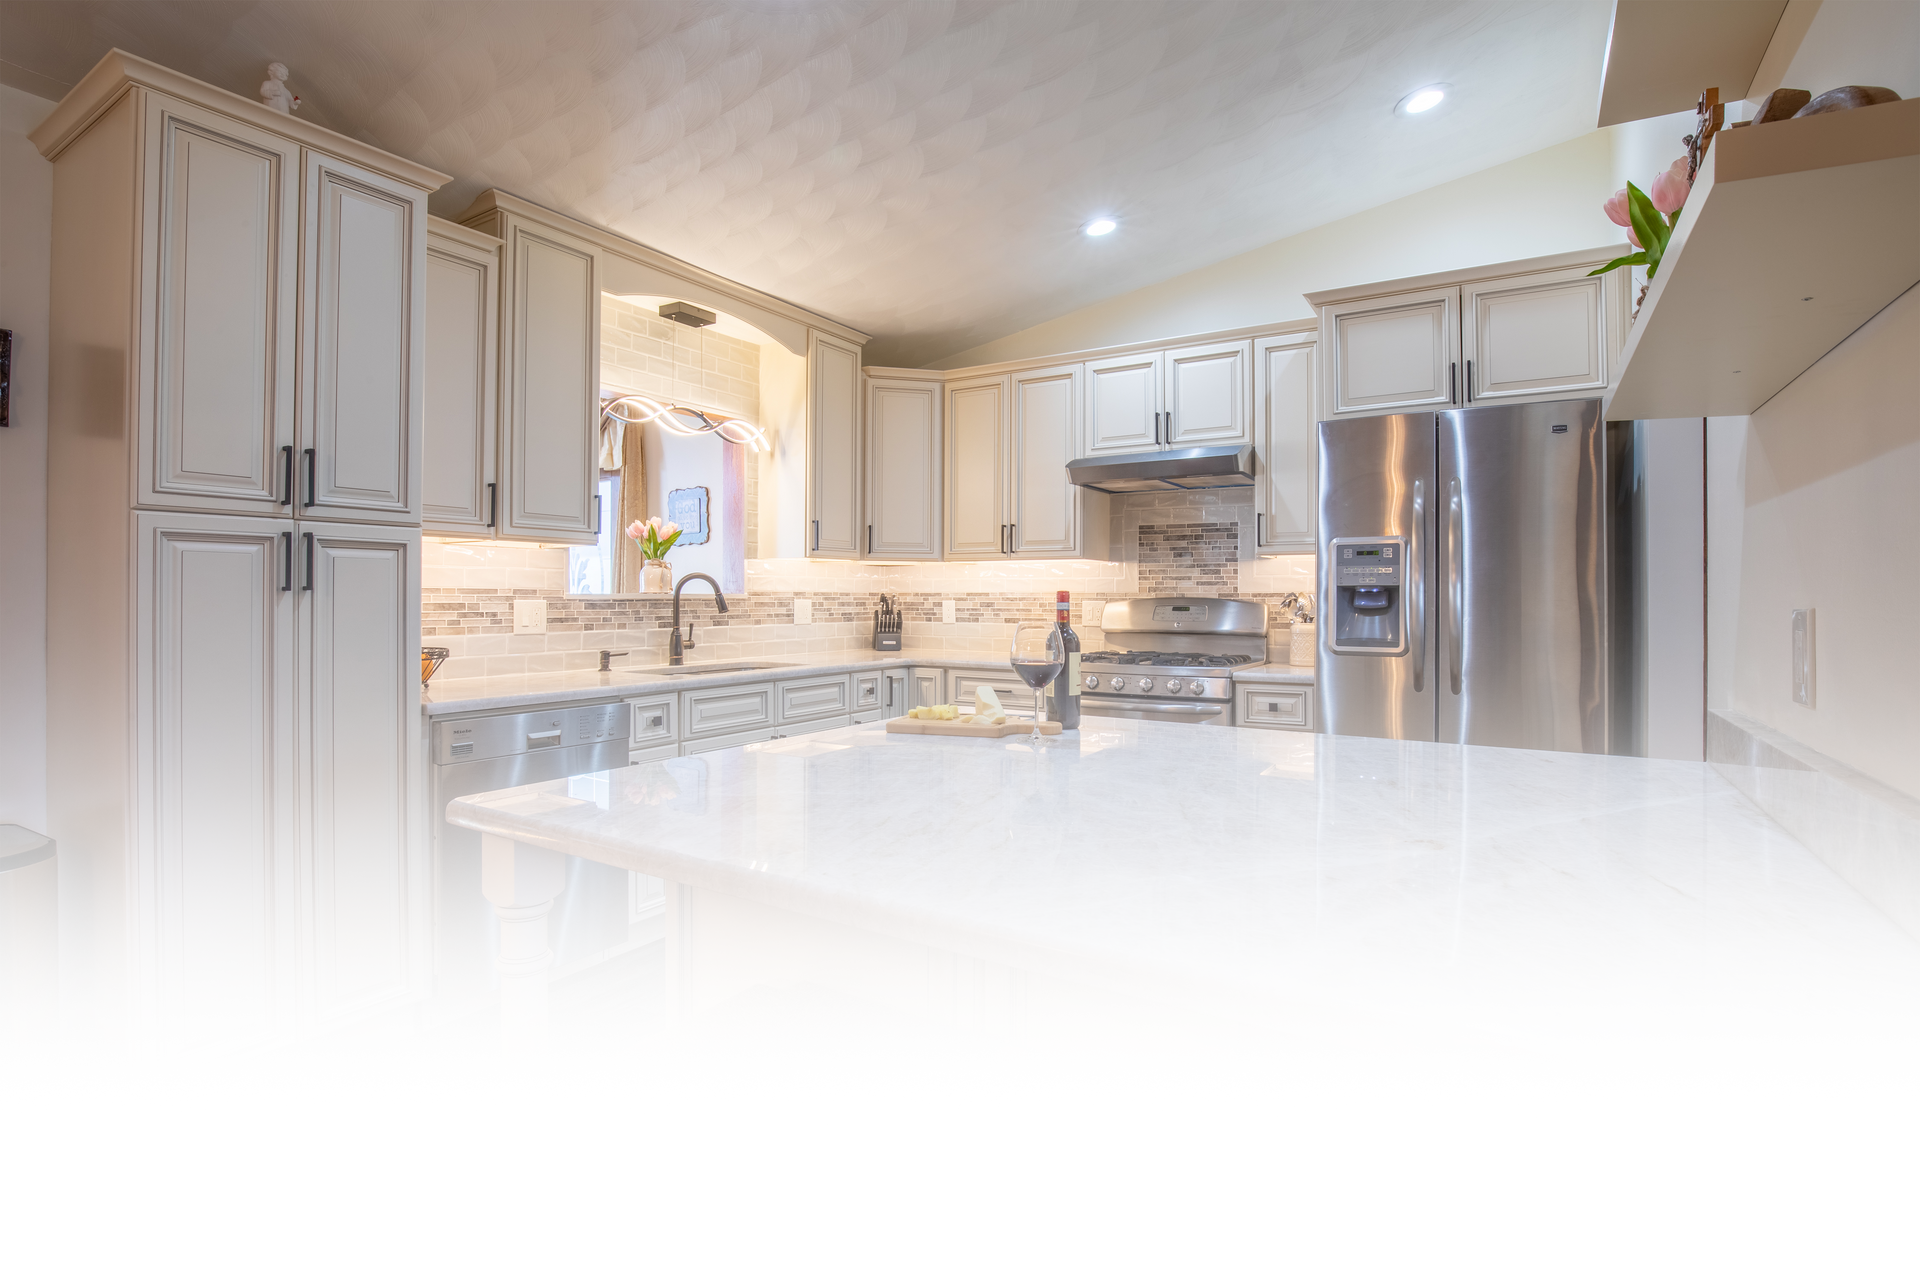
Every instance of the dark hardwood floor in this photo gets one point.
(384, 1165)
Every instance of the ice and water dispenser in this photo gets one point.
(1369, 592)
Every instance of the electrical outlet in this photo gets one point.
(529, 617)
(802, 610)
(1090, 612)
(946, 611)
(1803, 657)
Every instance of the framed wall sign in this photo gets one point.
(688, 509)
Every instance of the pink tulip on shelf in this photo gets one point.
(1616, 209)
(1634, 239)
(1669, 189)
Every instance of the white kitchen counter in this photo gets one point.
(1273, 673)
(557, 688)
(1294, 865)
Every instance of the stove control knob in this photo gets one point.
(1146, 685)
(1093, 682)
(1173, 686)
(1117, 684)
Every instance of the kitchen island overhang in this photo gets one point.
(1613, 931)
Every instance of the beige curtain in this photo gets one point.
(633, 506)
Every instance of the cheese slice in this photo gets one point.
(986, 701)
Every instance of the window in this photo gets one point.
(590, 570)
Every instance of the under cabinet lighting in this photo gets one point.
(1421, 100)
(1100, 226)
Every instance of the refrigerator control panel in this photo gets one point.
(1360, 563)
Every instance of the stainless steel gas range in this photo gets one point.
(1174, 658)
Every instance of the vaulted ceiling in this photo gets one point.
(920, 170)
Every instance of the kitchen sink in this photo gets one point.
(708, 668)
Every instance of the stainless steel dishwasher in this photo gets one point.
(489, 753)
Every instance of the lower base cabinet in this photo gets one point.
(1288, 707)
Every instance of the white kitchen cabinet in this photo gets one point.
(363, 334)
(459, 490)
(218, 290)
(1286, 447)
(549, 374)
(833, 449)
(1209, 395)
(1044, 508)
(927, 687)
(1285, 707)
(963, 684)
(1009, 442)
(1537, 336)
(653, 722)
(733, 709)
(903, 470)
(215, 879)
(368, 907)
(1394, 354)
(869, 691)
(1123, 404)
(798, 700)
(976, 469)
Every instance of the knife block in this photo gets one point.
(886, 641)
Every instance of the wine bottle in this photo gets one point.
(1063, 700)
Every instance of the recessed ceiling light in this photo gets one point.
(1100, 226)
(1421, 100)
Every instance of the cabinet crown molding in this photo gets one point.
(1301, 328)
(462, 235)
(119, 70)
(494, 200)
(1462, 275)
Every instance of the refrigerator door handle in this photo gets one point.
(1417, 579)
(1456, 585)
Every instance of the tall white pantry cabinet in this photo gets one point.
(234, 483)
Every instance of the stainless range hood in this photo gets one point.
(1219, 466)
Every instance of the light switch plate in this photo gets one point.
(1090, 612)
(946, 611)
(802, 610)
(529, 617)
(1803, 657)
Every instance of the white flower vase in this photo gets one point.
(1301, 644)
(656, 577)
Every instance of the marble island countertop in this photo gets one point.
(1278, 864)
(552, 688)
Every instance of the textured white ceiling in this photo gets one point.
(919, 170)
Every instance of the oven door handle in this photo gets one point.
(1096, 704)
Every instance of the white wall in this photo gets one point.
(1547, 202)
(26, 249)
(1819, 490)
(1675, 600)
(1873, 42)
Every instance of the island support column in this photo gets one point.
(521, 881)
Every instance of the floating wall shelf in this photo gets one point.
(1796, 233)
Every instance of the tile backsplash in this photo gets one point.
(1168, 544)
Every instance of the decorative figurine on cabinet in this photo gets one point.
(275, 92)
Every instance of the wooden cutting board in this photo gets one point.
(960, 729)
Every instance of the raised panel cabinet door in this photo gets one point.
(927, 687)
(1391, 354)
(217, 857)
(977, 469)
(551, 387)
(1209, 396)
(1286, 443)
(1044, 519)
(1124, 402)
(834, 529)
(363, 357)
(903, 470)
(728, 710)
(219, 285)
(811, 699)
(368, 901)
(1540, 337)
(458, 489)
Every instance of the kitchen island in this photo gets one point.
(1303, 875)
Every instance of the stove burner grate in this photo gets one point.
(1151, 658)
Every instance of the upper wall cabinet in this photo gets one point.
(1287, 411)
(976, 457)
(1178, 398)
(834, 528)
(459, 489)
(1009, 440)
(549, 374)
(363, 331)
(218, 290)
(1504, 336)
(903, 470)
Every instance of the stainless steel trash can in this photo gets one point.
(29, 998)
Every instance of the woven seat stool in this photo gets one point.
(1262, 1196)
(784, 1104)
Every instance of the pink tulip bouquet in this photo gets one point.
(1649, 217)
(654, 536)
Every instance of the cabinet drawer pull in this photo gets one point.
(869, 539)
(1453, 383)
(816, 535)
(310, 484)
(1013, 538)
(286, 559)
(1469, 382)
(308, 585)
(493, 506)
(286, 475)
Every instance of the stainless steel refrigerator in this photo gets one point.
(1478, 577)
